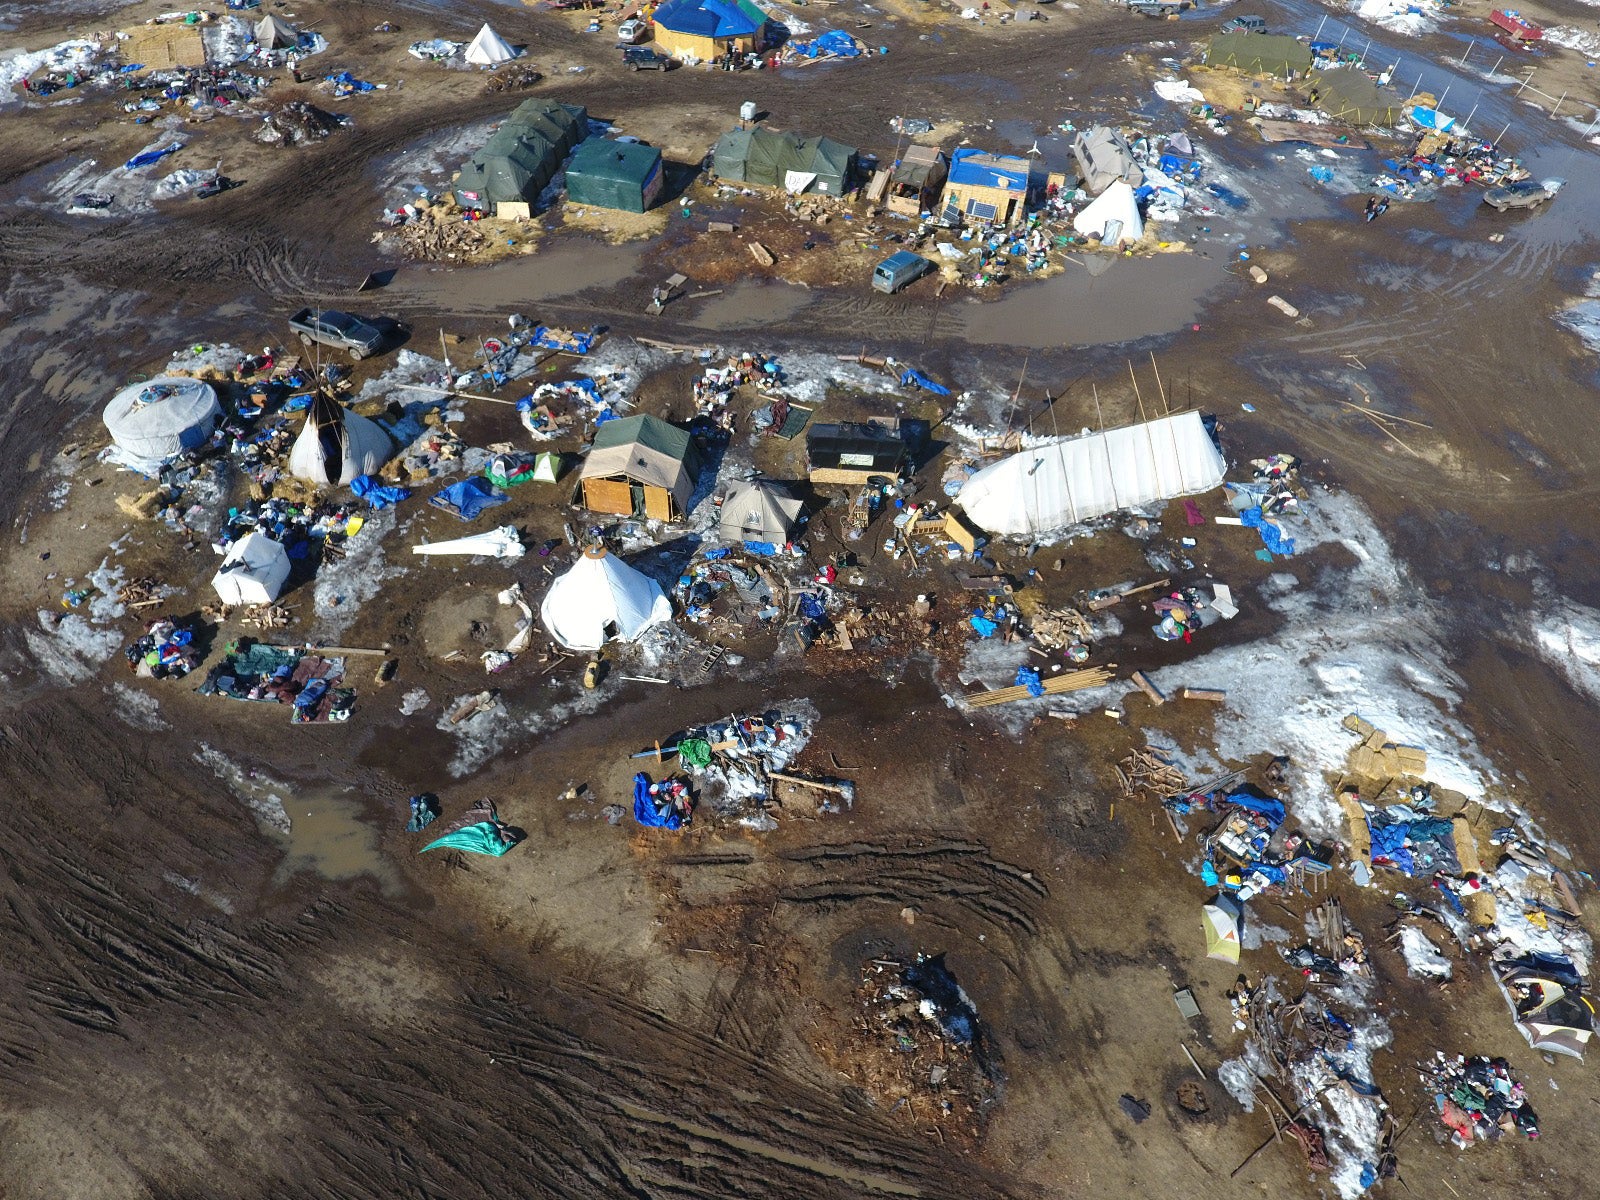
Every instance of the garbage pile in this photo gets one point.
(1478, 1098)
(164, 651)
(306, 682)
(734, 760)
(513, 77)
(298, 123)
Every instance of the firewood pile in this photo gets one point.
(141, 593)
(512, 79)
(266, 616)
(439, 232)
(1147, 773)
(295, 124)
(1058, 628)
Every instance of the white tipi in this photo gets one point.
(1113, 216)
(337, 445)
(489, 49)
(600, 599)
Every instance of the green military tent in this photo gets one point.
(609, 174)
(521, 158)
(1259, 54)
(1347, 94)
(784, 160)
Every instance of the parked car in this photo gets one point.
(1529, 193)
(646, 59)
(1245, 25)
(337, 329)
(633, 31)
(899, 269)
(1158, 8)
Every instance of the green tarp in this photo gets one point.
(694, 752)
(652, 433)
(1347, 94)
(1259, 54)
(621, 175)
(482, 838)
(784, 160)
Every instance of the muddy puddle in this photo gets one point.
(1131, 299)
(328, 836)
(747, 304)
(561, 269)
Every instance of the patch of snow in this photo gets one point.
(1567, 636)
(261, 794)
(74, 54)
(139, 709)
(229, 40)
(70, 648)
(1573, 38)
(1412, 18)
(1424, 960)
(1258, 933)
(344, 585)
(414, 702)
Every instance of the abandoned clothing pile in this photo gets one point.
(1478, 1098)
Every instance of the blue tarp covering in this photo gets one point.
(348, 80)
(150, 156)
(379, 495)
(979, 168)
(811, 607)
(1272, 535)
(835, 42)
(1432, 118)
(1432, 844)
(644, 807)
(709, 18)
(469, 497)
(1272, 809)
(1028, 677)
(911, 377)
(984, 626)
(763, 549)
(574, 342)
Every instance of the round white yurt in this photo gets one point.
(163, 416)
(602, 599)
(337, 445)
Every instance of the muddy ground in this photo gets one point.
(192, 1004)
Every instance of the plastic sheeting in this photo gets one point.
(644, 807)
(1068, 480)
(469, 497)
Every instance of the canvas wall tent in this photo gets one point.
(253, 571)
(1067, 480)
(337, 445)
(602, 599)
(489, 49)
(274, 33)
(986, 187)
(1112, 216)
(1103, 157)
(521, 158)
(917, 180)
(621, 175)
(1259, 54)
(784, 160)
(162, 417)
(563, 125)
(851, 453)
(1348, 95)
(640, 467)
(708, 29)
(758, 511)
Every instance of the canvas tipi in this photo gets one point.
(758, 511)
(253, 571)
(337, 445)
(1112, 216)
(489, 49)
(601, 599)
(274, 33)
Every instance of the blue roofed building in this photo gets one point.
(708, 29)
(985, 187)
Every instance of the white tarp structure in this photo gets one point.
(758, 511)
(489, 49)
(601, 599)
(1067, 480)
(163, 417)
(496, 543)
(274, 33)
(1113, 216)
(253, 571)
(337, 445)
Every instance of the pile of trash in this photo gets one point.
(1478, 1098)
(736, 759)
(513, 77)
(308, 683)
(164, 651)
(297, 123)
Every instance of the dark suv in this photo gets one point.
(645, 59)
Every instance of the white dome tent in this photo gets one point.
(489, 49)
(163, 417)
(600, 599)
(253, 571)
(337, 445)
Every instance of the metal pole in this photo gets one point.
(1497, 63)
(1503, 133)
(1468, 120)
(1415, 86)
(1525, 82)
(1344, 34)
(1364, 50)
(1320, 24)
(1439, 103)
(1466, 52)
(1559, 103)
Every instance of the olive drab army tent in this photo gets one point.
(521, 158)
(1259, 54)
(784, 160)
(602, 599)
(1347, 94)
(1067, 480)
(337, 445)
(620, 175)
(489, 49)
(253, 571)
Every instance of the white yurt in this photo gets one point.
(602, 599)
(489, 49)
(253, 571)
(163, 417)
(337, 445)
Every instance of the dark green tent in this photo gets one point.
(1259, 54)
(563, 124)
(621, 175)
(1347, 94)
(784, 160)
(521, 158)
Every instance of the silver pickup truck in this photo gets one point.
(337, 329)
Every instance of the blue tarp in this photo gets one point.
(1272, 535)
(644, 807)
(469, 497)
(835, 42)
(379, 495)
(710, 18)
(1028, 677)
(763, 549)
(1432, 845)
(348, 80)
(984, 626)
(1272, 809)
(574, 342)
(911, 377)
(151, 156)
(811, 607)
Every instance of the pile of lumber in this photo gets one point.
(1145, 772)
(141, 593)
(1071, 681)
(1379, 758)
(1058, 628)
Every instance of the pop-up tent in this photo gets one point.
(163, 417)
(1067, 480)
(1221, 920)
(1547, 1001)
(1112, 216)
(337, 446)
(489, 49)
(758, 511)
(274, 33)
(1104, 156)
(253, 571)
(602, 599)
